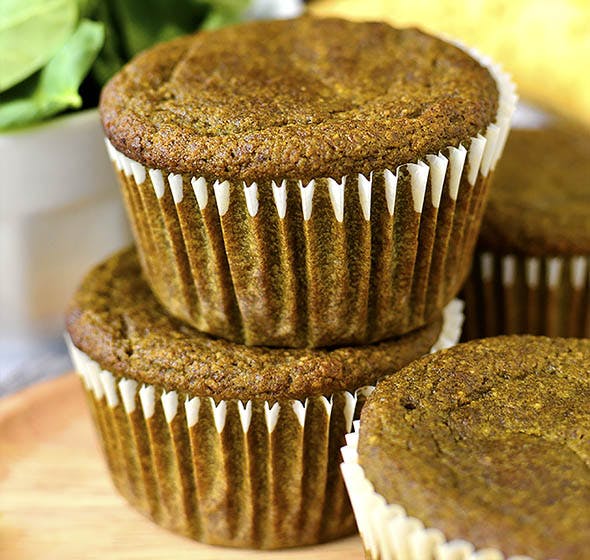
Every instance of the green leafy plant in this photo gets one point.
(55, 87)
(55, 55)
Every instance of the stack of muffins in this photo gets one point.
(305, 196)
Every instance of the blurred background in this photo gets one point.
(60, 209)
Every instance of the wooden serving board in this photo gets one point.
(57, 500)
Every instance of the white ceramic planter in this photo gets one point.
(60, 213)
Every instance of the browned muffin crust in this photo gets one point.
(539, 202)
(489, 442)
(115, 319)
(296, 99)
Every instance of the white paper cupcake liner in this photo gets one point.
(387, 531)
(331, 261)
(256, 473)
(512, 294)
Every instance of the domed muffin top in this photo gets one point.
(489, 442)
(296, 99)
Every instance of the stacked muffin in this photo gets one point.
(305, 196)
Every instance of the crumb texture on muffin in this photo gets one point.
(489, 442)
(296, 99)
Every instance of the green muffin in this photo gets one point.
(227, 444)
(306, 183)
(484, 446)
(531, 270)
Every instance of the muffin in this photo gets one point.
(481, 447)
(227, 444)
(306, 183)
(531, 272)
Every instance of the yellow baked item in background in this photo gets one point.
(545, 45)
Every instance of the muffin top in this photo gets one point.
(539, 202)
(489, 442)
(116, 321)
(296, 99)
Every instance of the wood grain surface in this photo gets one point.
(57, 500)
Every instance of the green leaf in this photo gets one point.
(111, 57)
(142, 23)
(55, 87)
(31, 32)
(224, 12)
(87, 8)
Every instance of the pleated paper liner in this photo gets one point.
(388, 533)
(333, 261)
(511, 294)
(253, 474)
